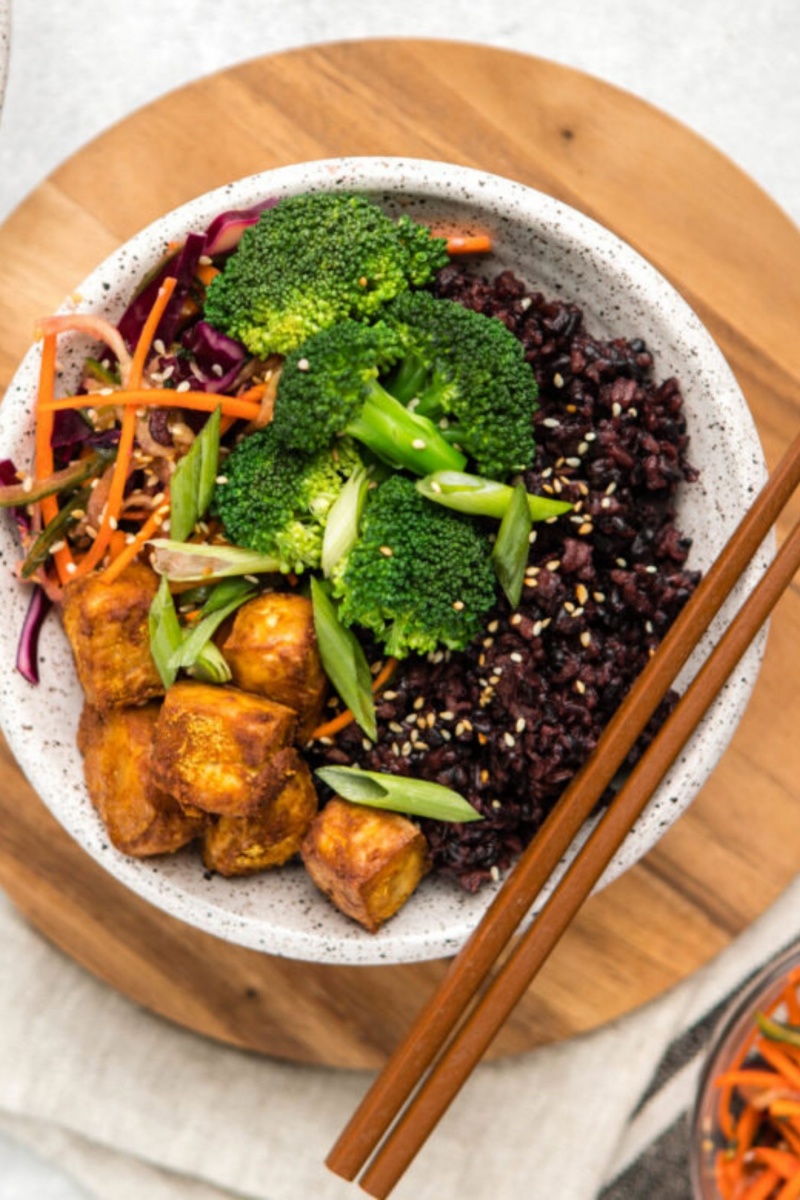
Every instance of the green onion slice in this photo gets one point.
(344, 518)
(192, 484)
(417, 797)
(165, 632)
(53, 532)
(210, 665)
(195, 641)
(777, 1031)
(510, 552)
(203, 562)
(480, 497)
(344, 660)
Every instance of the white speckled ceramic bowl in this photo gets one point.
(554, 248)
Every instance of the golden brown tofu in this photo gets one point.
(107, 628)
(366, 860)
(272, 650)
(140, 818)
(221, 750)
(271, 836)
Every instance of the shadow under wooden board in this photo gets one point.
(731, 252)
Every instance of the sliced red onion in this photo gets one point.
(183, 266)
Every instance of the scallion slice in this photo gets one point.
(203, 562)
(344, 517)
(192, 484)
(343, 660)
(510, 551)
(480, 497)
(165, 632)
(416, 797)
(194, 641)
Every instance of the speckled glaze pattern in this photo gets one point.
(554, 248)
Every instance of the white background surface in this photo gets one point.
(77, 66)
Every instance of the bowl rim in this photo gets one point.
(389, 177)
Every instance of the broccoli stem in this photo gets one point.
(402, 438)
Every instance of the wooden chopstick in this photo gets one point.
(472, 966)
(509, 984)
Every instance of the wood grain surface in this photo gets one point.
(731, 252)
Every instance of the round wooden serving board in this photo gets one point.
(732, 254)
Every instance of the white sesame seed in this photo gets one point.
(395, 727)
(580, 687)
(386, 551)
(520, 725)
(184, 386)
(551, 423)
(494, 871)
(446, 715)
(516, 657)
(419, 444)
(435, 487)
(554, 564)
(537, 628)
(558, 379)
(493, 627)
(221, 480)
(419, 702)
(458, 605)
(583, 447)
(303, 364)
(586, 638)
(56, 546)
(366, 743)
(516, 619)
(71, 568)
(158, 346)
(573, 462)
(508, 738)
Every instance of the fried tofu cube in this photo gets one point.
(107, 628)
(140, 818)
(366, 860)
(272, 835)
(221, 750)
(272, 650)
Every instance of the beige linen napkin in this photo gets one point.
(132, 1106)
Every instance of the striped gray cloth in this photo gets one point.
(128, 1106)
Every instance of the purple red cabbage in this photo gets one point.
(183, 266)
(27, 662)
(206, 359)
(224, 232)
(221, 236)
(8, 476)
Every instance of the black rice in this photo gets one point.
(509, 721)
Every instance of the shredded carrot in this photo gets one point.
(469, 243)
(345, 718)
(128, 554)
(232, 406)
(787, 1165)
(763, 1186)
(127, 436)
(748, 1077)
(790, 1190)
(777, 1058)
(206, 272)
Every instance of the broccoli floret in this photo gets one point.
(312, 260)
(470, 371)
(276, 501)
(329, 386)
(419, 576)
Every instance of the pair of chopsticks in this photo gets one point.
(447, 1040)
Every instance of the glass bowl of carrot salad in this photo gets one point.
(746, 1122)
